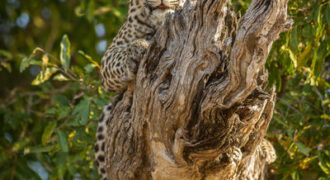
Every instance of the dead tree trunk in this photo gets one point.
(199, 108)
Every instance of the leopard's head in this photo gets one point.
(163, 5)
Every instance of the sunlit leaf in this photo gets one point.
(291, 55)
(45, 60)
(295, 175)
(6, 65)
(21, 144)
(292, 150)
(301, 60)
(117, 13)
(79, 11)
(324, 164)
(39, 149)
(303, 130)
(323, 178)
(60, 77)
(65, 55)
(304, 164)
(89, 58)
(325, 116)
(324, 168)
(44, 76)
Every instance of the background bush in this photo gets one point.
(51, 97)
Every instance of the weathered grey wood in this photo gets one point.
(199, 109)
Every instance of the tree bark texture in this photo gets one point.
(198, 108)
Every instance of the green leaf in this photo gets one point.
(324, 168)
(62, 139)
(24, 64)
(302, 60)
(39, 149)
(27, 61)
(21, 144)
(26, 171)
(50, 111)
(6, 54)
(79, 11)
(100, 102)
(43, 76)
(117, 13)
(6, 65)
(61, 100)
(327, 14)
(324, 165)
(89, 58)
(45, 60)
(90, 10)
(302, 148)
(48, 131)
(303, 130)
(61, 161)
(89, 68)
(85, 114)
(294, 39)
(64, 112)
(325, 116)
(322, 178)
(295, 175)
(82, 110)
(292, 56)
(65, 55)
(60, 77)
(307, 31)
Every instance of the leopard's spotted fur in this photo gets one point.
(119, 63)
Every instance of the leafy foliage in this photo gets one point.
(299, 66)
(51, 98)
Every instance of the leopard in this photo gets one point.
(119, 63)
(121, 59)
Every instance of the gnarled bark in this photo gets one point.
(198, 108)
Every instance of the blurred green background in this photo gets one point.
(51, 97)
